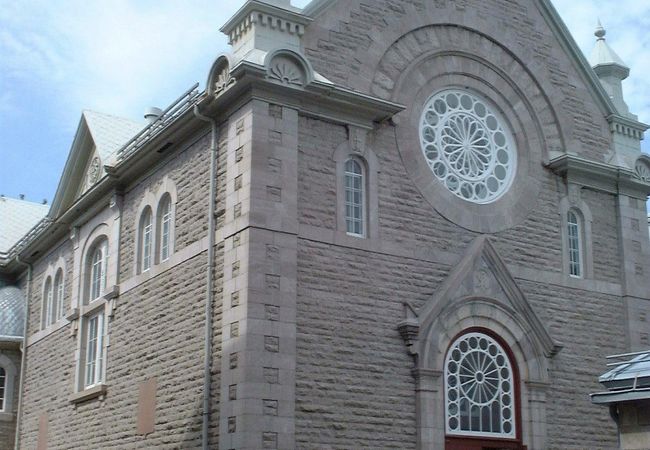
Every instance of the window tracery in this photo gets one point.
(468, 147)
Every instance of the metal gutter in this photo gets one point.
(23, 359)
(207, 368)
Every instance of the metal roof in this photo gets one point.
(603, 54)
(110, 132)
(627, 381)
(17, 217)
(12, 313)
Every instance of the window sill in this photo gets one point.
(89, 394)
(7, 417)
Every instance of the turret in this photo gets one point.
(611, 71)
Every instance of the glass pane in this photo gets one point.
(482, 396)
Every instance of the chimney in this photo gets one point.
(152, 114)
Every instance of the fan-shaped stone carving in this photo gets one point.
(286, 71)
(642, 171)
(224, 80)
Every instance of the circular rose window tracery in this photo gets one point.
(479, 390)
(467, 146)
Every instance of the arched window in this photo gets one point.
(145, 240)
(479, 389)
(354, 198)
(574, 235)
(58, 294)
(165, 228)
(98, 260)
(47, 314)
(3, 388)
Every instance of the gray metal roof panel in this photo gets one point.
(12, 312)
(17, 217)
(635, 372)
(110, 133)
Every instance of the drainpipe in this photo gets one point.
(207, 369)
(23, 358)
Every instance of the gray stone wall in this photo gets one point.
(350, 38)
(354, 387)
(156, 331)
(188, 170)
(590, 325)
(64, 250)
(604, 230)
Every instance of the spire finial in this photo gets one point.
(600, 31)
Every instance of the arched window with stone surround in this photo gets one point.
(165, 222)
(574, 239)
(58, 294)
(146, 237)
(48, 299)
(480, 391)
(97, 262)
(355, 201)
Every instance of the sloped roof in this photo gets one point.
(109, 132)
(603, 54)
(625, 374)
(12, 312)
(105, 133)
(17, 217)
(627, 381)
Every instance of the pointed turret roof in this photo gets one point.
(603, 54)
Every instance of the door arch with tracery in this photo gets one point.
(482, 409)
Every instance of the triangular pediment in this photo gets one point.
(99, 136)
(481, 273)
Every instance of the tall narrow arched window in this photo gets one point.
(480, 389)
(97, 262)
(58, 294)
(47, 314)
(165, 227)
(574, 244)
(354, 198)
(94, 357)
(146, 232)
(3, 388)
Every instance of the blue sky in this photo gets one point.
(118, 56)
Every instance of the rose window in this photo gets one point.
(479, 388)
(467, 146)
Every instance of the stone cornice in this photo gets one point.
(322, 99)
(599, 176)
(627, 126)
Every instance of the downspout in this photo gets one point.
(23, 359)
(207, 369)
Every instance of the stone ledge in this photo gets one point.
(7, 417)
(89, 394)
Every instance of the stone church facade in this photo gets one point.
(391, 224)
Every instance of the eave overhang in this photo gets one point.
(317, 98)
(611, 397)
(599, 176)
